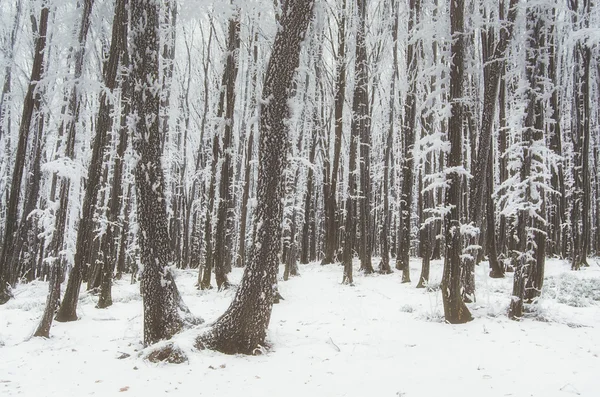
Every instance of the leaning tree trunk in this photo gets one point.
(455, 310)
(68, 307)
(162, 303)
(15, 186)
(242, 328)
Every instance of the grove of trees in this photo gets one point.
(138, 136)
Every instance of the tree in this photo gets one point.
(84, 247)
(117, 51)
(242, 328)
(332, 168)
(481, 192)
(580, 215)
(408, 134)
(6, 276)
(530, 205)
(163, 306)
(223, 153)
(362, 122)
(455, 310)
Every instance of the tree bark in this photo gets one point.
(163, 306)
(332, 169)
(103, 125)
(362, 121)
(242, 328)
(11, 221)
(455, 310)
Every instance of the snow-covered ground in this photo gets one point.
(377, 338)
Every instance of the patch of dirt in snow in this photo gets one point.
(379, 337)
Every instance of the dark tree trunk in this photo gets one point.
(85, 242)
(580, 224)
(362, 121)
(351, 204)
(408, 133)
(332, 169)
(308, 225)
(483, 175)
(241, 257)
(7, 86)
(162, 303)
(455, 310)
(103, 125)
(557, 204)
(52, 300)
(216, 255)
(242, 328)
(224, 226)
(384, 266)
(529, 272)
(11, 219)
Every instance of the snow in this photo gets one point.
(378, 338)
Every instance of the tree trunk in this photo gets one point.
(11, 220)
(103, 125)
(529, 272)
(455, 310)
(162, 304)
(225, 206)
(332, 169)
(84, 244)
(581, 139)
(362, 121)
(242, 328)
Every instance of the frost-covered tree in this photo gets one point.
(242, 328)
(7, 276)
(455, 310)
(164, 311)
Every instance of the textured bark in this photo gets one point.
(557, 205)
(483, 176)
(529, 272)
(408, 134)
(11, 220)
(9, 58)
(224, 227)
(104, 123)
(362, 121)
(308, 224)
(52, 300)
(216, 255)
(242, 328)
(384, 266)
(351, 206)
(161, 300)
(332, 168)
(241, 256)
(455, 310)
(580, 223)
(68, 307)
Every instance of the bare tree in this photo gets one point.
(6, 275)
(163, 305)
(455, 310)
(242, 328)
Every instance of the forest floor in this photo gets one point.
(377, 338)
